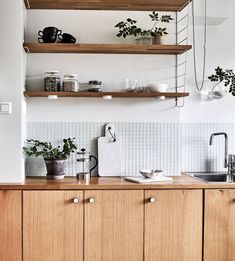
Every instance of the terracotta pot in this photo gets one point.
(55, 169)
(158, 39)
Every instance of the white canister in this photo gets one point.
(71, 83)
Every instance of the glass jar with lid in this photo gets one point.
(52, 81)
(95, 86)
(71, 83)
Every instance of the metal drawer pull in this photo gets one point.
(75, 200)
(152, 200)
(91, 200)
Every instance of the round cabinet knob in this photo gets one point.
(91, 200)
(75, 200)
(152, 200)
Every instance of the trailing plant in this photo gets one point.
(48, 152)
(225, 76)
(129, 27)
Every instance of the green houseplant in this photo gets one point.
(54, 157)
(225, 77)
(158, 32)
(129, 28)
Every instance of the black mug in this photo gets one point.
(49, 35)
(67, 38)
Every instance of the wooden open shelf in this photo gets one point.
(135, 5)
(105, 48)
(101, 94)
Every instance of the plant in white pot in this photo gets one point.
(224, 81)
(54, 157)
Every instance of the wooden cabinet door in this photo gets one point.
(52, 226)
(114, 225)
(219, 232)
(10, 226)
(173, 225)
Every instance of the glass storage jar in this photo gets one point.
(71, 83)
(52, 81)
(95, 86)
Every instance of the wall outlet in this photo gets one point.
(5, 107)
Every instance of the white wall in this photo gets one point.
(220, 52)
(98, 27)
(11, 89)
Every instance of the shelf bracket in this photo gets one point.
(177, 103)
(26, 49)
(27, 4)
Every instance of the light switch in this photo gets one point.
(5, 107)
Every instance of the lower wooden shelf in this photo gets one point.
(102, 94)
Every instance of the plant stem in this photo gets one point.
(155, 23)
(216, 85)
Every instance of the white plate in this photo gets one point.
(148, 180)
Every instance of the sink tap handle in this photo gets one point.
(231, 160)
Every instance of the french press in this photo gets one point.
(84, 170)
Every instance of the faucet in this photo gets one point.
(225, 145)
(229, 160)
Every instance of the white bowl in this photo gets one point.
(158, 87)
(150, 173)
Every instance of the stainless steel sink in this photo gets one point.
(211, 177)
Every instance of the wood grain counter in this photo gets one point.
(101, 183)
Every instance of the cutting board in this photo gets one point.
(144, 180)
(109, 153)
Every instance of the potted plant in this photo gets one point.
(226, 77)
(158, 33)
(54, 157)
(153, 35)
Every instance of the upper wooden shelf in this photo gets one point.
(102, 94)
(134, 5)
(105, 48)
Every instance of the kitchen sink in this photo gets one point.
(211, 177)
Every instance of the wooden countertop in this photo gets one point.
(96, 183)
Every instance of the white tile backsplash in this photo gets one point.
(173, 147)
(196, 152)
(144, 145)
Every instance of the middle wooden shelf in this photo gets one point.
(105, 48)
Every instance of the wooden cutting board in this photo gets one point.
(109, 153)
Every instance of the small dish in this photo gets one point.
(158, 87)
(150, 173)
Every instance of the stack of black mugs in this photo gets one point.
(52, 34)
